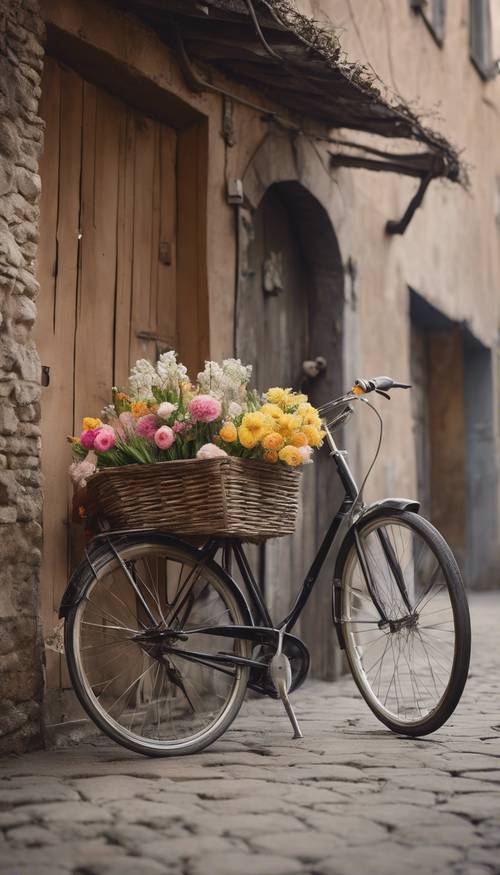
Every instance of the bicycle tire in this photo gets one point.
(108, 565)
(447, 565)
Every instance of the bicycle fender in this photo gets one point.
(391, 505)
(376, 508)
(99, 552)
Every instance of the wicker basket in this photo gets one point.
(224, 497)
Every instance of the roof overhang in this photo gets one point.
(283, 54)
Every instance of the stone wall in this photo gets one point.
(21, 138)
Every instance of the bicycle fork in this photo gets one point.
(281, 676)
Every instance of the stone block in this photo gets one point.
(26, 393)
(9, 139)
(8, 515)
(8, 419)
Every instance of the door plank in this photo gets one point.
(96, 293)
(166, 303)
(144, 175)
(124, 243)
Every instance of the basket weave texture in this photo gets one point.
(224, 497)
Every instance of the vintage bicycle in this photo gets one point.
(162, 643)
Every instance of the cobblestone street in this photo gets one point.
(349, 798)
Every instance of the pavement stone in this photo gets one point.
(349, 798)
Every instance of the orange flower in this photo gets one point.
(271, 456)
(138, 409)
(299, 439)
(228, 432)
(272, 441)
(291, 456)
(82, 512)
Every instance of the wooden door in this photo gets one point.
(273, 335)
(107, 272)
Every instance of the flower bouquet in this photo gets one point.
(213, 457)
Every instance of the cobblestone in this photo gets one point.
(349, 798)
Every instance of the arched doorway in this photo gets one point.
(289, 310)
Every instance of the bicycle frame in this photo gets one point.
(349, 512)
(333, 538)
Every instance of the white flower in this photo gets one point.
(142, 378)
(234, 409)
(81, 471)
(306, 453)
(170, 372)
(166, 409)
(235, 372)
(227, 382)
(210, 451)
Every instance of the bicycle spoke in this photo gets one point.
(138, 684)
(407, 674)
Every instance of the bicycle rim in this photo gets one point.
(154, 699)
(412, 668)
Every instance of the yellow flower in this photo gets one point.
(272, 441)
(254, 421)
(289, 423)
(276, 395)
(138, 409)
(296, 398)
(314, 435)
(272, 410)
(271, 456)
(256, 424)
(309, 414)
(228, 432)
(298, 439)
(90, 422)
(291, 456)
(247, 438)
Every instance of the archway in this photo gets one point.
(290, 309)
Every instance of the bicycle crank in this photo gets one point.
(281, 676)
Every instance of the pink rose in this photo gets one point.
(205, 408)
(105, 439)
(164, 437)
(210, 451)
(147, 426)
(180, 427)
(88, 437)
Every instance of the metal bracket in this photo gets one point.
(399, 227)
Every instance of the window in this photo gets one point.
(434, 14)
(480, 37)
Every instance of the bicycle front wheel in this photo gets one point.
(405, 622)
(139, 674)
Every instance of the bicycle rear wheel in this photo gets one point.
(150, 690)
(410, 668)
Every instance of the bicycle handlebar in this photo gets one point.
(377, 384)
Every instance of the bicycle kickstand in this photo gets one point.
(281, 675)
